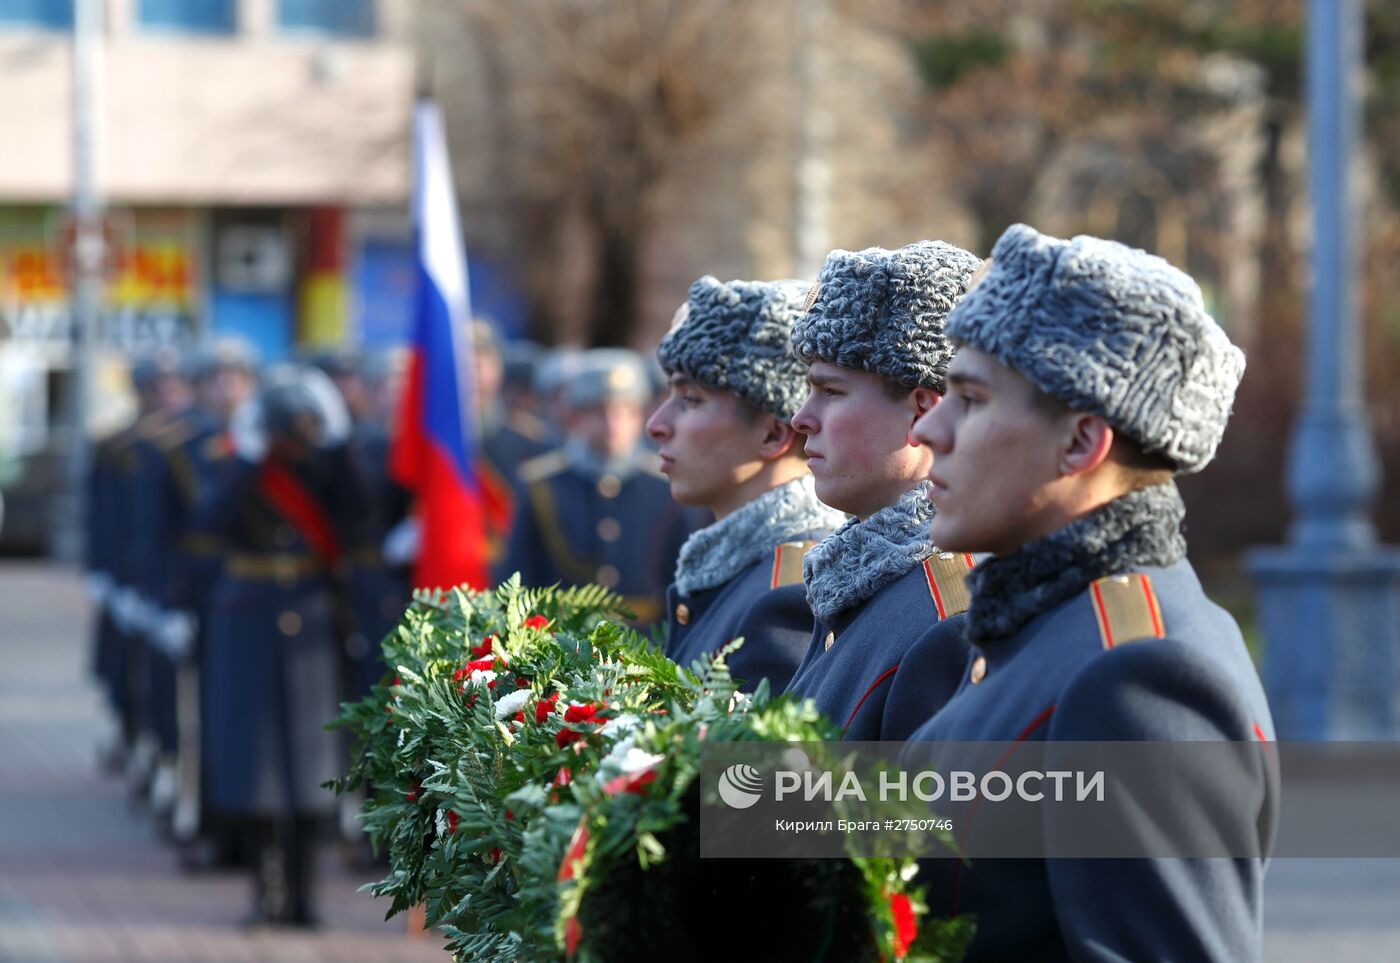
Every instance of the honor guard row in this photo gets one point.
(989, 541)
(932, 494)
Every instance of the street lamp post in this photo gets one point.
(1329, 601)
(87, 255)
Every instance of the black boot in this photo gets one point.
(267, 857)
(302, 873)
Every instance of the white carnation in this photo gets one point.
(479, 677)
(619, 725)
(509, 705)
(624, 759)
(638, 760)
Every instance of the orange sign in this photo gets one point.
(153, 270)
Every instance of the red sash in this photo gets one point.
(285, 493)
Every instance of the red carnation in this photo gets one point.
(476, 665)
(495, 854)
(451, 821)
(519, 716)
(906, 927)
(521, 682)
(587, 712)
(629, 782)
(413, 793)
(544, 707)
(485, 647)
(536, 622)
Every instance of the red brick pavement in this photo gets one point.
(82, 875)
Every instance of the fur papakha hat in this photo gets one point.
(736, 336)
(1109, 330)
(883, 311)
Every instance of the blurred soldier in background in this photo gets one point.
(510, 432)
(157, 505)
(112, 578)
(292, 502)
(182, 565)
(552, 375)
(598, 509)
(376, 586)
(520, 361)
(508, 437)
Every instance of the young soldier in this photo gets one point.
(1089, 374)
(726, 444)
(886, 652)
(598, 510)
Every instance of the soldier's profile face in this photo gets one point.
(707, 447)
(996, 457)
(857, 440)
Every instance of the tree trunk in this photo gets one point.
(613, 312)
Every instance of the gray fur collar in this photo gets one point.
(862, 557)
(718, 552)
(1140, 528)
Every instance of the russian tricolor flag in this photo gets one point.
(434, 447)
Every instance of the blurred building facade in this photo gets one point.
(254, 159)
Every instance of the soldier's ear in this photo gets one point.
(924, 400)
(1086, 441)
(779, 438)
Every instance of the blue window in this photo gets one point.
(189, 16)
(57, 14)
(345, 18)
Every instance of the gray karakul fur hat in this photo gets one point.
(736, 336)
(1109, 330)
(883, 311)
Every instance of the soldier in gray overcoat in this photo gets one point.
(887, 649)
(1088, 376)
(726, 445)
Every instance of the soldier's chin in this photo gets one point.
(944, 533)
(685, 494)
(830, 495)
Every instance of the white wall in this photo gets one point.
(255, 118)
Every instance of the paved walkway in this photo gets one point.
(82, 877)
